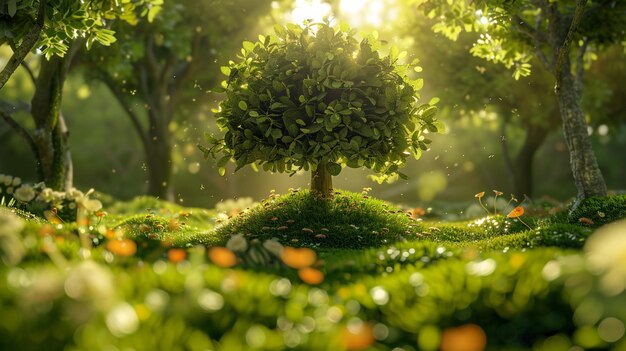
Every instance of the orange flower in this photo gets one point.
(176, 255)
(417, 212)
(358, 337)
(516, 212)
(122, 247)
(298, 258)
(100, 214)
(222, 257)
(469, 337)
(585, 220)
(311, 276)
(480, 194)
(498, 193)
(52, 216)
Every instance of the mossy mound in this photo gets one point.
(348, 220)
(600, 210)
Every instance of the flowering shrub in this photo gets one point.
(46, 202)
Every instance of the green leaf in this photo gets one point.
(243, 105)
(333, 168)
(254, 114)
(12, 7)
(248, 46)
(225, 70)
(221, 171)
(153, 12)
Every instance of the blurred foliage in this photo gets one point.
(416, 295)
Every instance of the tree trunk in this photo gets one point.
(587, 175)
(321, 182)
(51, 134)
(159, 159)
(523, 169)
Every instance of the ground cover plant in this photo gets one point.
(244, 283)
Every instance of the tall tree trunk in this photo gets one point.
(51, 134)
(159, 159)
(322, 182)
(523, 169)
(587, 175)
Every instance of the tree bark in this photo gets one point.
(322, 182)
(585, 170)
(50, 134)
(523, 168)
(159, 160)
(587, 175)
(28, 42)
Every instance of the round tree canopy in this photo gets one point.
(317, 96)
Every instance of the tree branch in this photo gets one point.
(20, 130)
(564, 50)
(28, 42)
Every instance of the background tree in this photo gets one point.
(161, 69)
(560, 35)
(469, 85)
(59, 31)
(316, 98)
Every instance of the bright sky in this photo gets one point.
(358, 13)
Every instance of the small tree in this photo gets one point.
(316, 98)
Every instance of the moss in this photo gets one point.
(152, 231)
(600, 210)
(198, 217)
(561, 235)
(348, 220)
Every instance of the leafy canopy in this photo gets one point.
(66, 21)
(316, 95)
(512, 33)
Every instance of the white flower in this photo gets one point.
(83, 200)
(7, 180)
(606, 254)
(10, 190)
(237, 243)
(74, 194)
(46, 195)
(274, 247)
(91, 205)
(17, 181)
(25, 193)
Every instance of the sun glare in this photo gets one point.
(377, 13)
(314, 10)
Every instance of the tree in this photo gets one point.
(159, 70)
(468, 85)
(560, 34)
(59, 30)
(316, 98)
